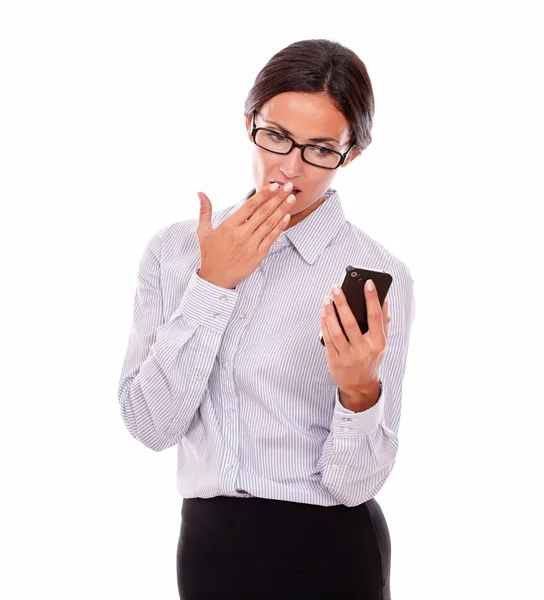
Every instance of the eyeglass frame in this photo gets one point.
(297, 145)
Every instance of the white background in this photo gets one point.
(107, 110)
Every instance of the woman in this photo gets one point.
(282, 443)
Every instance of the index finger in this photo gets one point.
(374, 313)
(258, 199)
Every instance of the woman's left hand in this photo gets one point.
(354, 364)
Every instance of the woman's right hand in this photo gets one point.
(233, 250)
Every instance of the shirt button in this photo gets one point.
(229, 420)
(224, 365)
(216, 315)
(260, 268)
(198, 377)
(229, 467)
(243, 315)
(224, 299)
(335, 466)
(347, 419)
(345, 428)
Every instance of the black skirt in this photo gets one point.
(272, 549)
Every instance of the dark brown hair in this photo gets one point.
(320, 66)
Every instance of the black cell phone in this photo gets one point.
(353, 288)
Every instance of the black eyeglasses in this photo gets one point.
(278, 143)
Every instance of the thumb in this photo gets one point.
(204, 219)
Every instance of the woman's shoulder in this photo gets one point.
(375, 255)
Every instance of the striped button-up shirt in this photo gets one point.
(238, 379)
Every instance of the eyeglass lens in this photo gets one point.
(276, 142)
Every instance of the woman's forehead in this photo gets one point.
(306, 115)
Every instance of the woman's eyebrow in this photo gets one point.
(287, 132)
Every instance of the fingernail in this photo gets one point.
(370, 285)
(327, 300)
(336, 289)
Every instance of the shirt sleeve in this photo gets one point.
(168, 361)
(360, 451)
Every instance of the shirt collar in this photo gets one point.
(316, 231)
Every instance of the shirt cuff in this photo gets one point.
(206, 303)
(347, 423)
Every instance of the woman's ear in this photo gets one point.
(353, 153)
(248, 126)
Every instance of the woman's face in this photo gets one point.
(305, 116)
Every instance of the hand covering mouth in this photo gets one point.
(295, 188)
